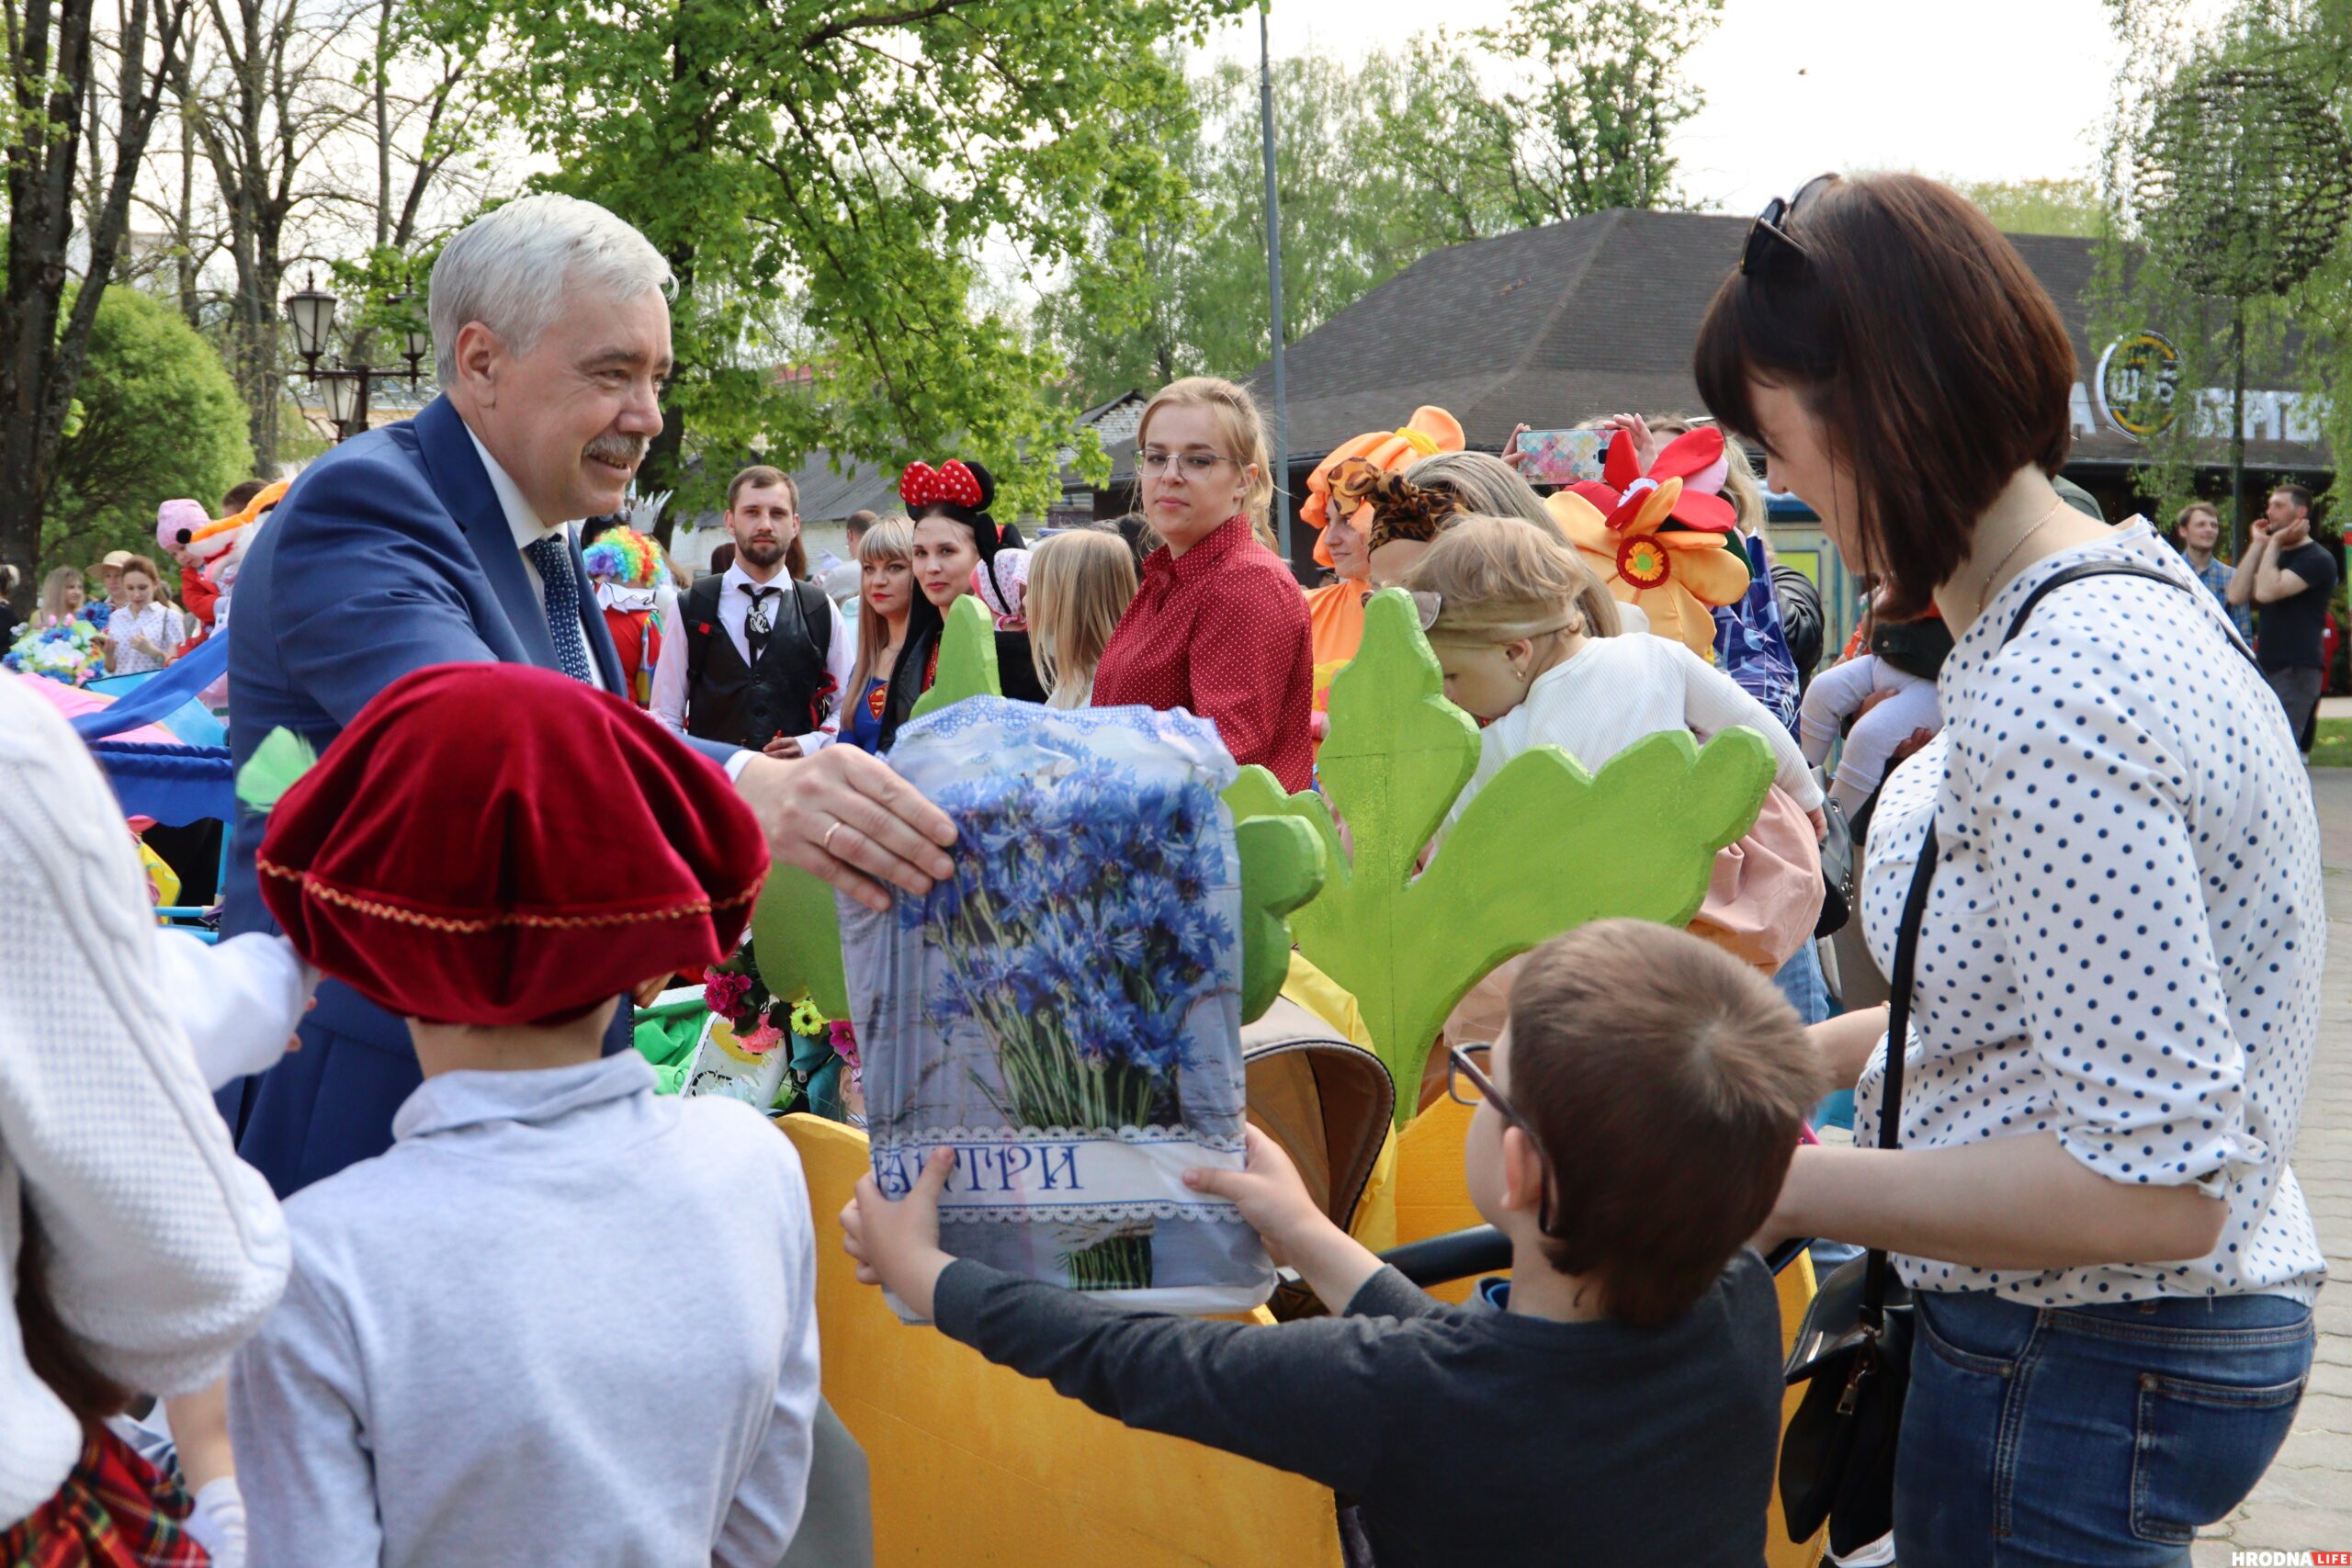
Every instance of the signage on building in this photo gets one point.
(2139, 384)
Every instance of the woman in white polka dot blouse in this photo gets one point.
(2119, 967)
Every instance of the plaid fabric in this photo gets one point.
(115, 1510)
(2216, 574)
(1752, 648)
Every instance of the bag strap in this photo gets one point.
(1877, 1272)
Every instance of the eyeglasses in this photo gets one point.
(1467, 1082)
(1193, 464)
(1768, 241)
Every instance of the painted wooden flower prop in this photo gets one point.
(1671, 572)
(1544, 847)
(1430, 430)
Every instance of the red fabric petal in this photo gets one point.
(1708, 513)
(1691, 452)
(1604, 500)
(1619, 468)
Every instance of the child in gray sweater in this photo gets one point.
(560, 1320)
(1634, 1125)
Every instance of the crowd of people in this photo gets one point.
(406, 1294)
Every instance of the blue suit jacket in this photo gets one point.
(390, 554)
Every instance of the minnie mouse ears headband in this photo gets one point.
(956, 489)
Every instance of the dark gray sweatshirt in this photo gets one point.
(1468, 1435)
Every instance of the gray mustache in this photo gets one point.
(629, 449)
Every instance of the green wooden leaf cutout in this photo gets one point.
(795, 926)
(966, 658)
(1544, 848)
(1282, 867)
(797, 937)
(280, 759)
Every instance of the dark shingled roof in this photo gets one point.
(1574, 321)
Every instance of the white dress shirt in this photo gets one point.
(528, 530)
(2125, 936)
(670, 694)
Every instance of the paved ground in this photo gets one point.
(2304, 1503)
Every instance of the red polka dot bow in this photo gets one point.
(951, 482)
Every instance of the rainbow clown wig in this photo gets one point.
(627, 559)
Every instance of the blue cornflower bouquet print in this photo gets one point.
(1065, 1011)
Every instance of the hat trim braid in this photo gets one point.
(460, 925)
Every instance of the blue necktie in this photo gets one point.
(553, 558)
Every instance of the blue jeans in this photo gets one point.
(2104, 1433)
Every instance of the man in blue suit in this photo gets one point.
(443, 540)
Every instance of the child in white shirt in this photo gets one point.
(1515, 620)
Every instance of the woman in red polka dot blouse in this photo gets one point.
(1219, 626)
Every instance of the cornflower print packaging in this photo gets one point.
(1065, 1012)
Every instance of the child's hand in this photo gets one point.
(1275, 1200)
(897, 1243)
(1268, 1192)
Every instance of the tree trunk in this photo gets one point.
(44, 345)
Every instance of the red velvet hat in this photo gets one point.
(500, 844)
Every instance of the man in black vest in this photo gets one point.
(759, 656)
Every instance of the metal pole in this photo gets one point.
(2237, 430)
(1274, 289)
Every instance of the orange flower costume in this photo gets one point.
(1335, 614)
(1658, 539)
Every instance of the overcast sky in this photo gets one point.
(1997, 89)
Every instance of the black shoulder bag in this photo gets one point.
(1853, 1350)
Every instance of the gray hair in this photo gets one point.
(512, 270)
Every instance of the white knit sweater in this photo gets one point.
(165, 1251)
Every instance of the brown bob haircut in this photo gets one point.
(1934, 360)
(1666, 1082)
(760, 476)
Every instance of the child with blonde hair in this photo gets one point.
(1081, 583)
(1505, 607)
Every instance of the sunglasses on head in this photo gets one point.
(1768, 241)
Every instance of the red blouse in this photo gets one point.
(1221, 630)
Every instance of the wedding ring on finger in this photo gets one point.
(826, 844)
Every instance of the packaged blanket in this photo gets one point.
(1065, 1012)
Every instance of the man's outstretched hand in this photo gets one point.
(846, 817)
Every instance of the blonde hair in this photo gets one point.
(61, 581)
(1489, 487)
(1498, 578)
(1243, 429)
(1486, 486)
(1079, 584)
(891, 539)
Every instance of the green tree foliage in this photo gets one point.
(822, 176)
(2166, 46)
(1608, 92)
(1377, 165)
(2039, 207)
(157, 416)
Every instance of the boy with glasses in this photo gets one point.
(1633, 1126)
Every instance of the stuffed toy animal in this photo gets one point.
(220, 544)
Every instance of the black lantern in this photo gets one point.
(313, 314)
(342, 392)
(416, 339)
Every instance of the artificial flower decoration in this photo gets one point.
(1672, 574)
(1429, 430)
(1695, 457)
(66, 651)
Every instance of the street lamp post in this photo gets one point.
(345, 390)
